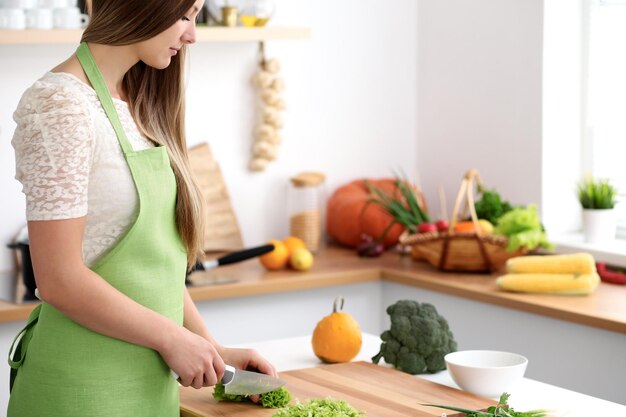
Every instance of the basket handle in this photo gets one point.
(466, 190)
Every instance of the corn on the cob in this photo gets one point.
(575, 263)
(550, 283)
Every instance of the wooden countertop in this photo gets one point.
(604, 309)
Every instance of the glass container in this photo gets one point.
(256, 13)
(305, 208)
(224, 12)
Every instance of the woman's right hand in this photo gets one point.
(193, 358)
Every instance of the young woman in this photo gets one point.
(114, 222)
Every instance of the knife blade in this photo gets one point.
(239, 382)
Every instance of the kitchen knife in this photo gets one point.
(239, 382)
(230, 258)
(233, 257)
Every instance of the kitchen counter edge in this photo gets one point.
(336, 266)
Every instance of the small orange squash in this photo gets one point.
(349, 216)
(337, 337)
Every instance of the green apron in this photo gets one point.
(62, 369)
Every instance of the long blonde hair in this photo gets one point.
(156, 97)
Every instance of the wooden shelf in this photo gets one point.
(243, 34)
(204, 34)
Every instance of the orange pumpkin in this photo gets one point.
(337, 337)
(348, 217)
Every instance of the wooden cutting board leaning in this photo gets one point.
(376, 390)
(221, 232)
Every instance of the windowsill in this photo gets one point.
(613, 252)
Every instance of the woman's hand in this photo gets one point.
(248, 359)
(193, 358)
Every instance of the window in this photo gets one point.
(604, 153)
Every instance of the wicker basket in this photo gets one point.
(450, 251)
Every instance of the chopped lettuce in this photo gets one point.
(327, 407)
(274, 399)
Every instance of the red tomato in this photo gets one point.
(442, 225)
(426, 227)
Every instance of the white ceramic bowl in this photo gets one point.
(487, 373)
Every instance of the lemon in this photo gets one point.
(486, 226)
(301, 259)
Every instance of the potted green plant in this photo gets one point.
(597, 198)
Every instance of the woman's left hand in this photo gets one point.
(248, 359)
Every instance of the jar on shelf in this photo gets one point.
(224, 12)
(256, 13)
(305, 207)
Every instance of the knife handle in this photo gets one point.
(244, 254)
(229, 374)
(233, 257)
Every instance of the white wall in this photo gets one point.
(351, 97)
(480, 101)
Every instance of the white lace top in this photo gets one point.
(70, 163)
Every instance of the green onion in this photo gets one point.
(500, 410)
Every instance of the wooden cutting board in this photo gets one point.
(221, 232)
(377, 390)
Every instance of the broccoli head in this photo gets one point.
(417, 340)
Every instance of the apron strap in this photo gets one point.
(97, 82)
(17, 353)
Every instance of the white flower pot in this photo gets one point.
(599, 225)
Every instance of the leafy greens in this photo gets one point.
(500, 410)
(327, 407)
(403, 206)
(523, 228)
(491, 206)
(274, 399)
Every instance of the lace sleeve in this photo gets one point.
(53, 144)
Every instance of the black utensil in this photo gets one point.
(232, 257)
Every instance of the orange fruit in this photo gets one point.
(465, 227)
(276, 259)
(293, 243)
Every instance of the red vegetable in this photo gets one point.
(369, 247)
(426, 227)
(442, 225)
(609, 274)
